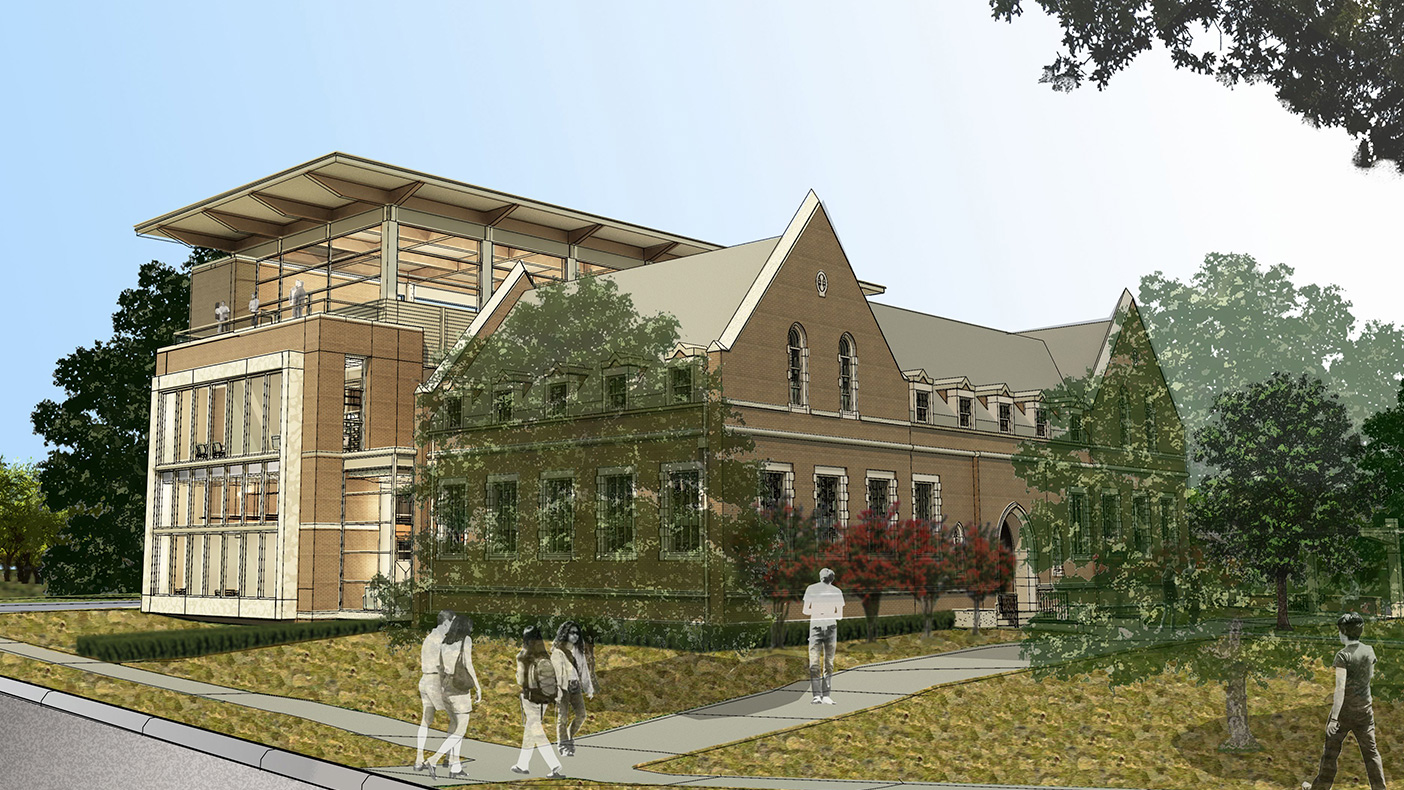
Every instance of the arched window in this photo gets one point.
(957, 534)
(798, 367)
(848, 375)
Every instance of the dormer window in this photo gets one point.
(453, 413)
(797, 369)
(617, 392)
(923, 407)
(1006, 418)
(502, 402)
(967, 412)
(556, 399)
(1041, 422)
(680, 384)
(848, 375)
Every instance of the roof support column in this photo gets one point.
(572, 265)
(390, 254)
(485, 270)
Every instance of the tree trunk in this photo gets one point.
(870, 614)
(777, 627)
(1283, 624)
(927, 604)
(975, 621)
(1236, 712)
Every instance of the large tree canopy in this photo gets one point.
(97, 467)
(1382, 466)
(1336, 63)
(1235, 323)
(1285, 485)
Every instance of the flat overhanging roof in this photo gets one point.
(340, 185)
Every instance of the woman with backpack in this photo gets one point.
(459, 681)
(537, 679)
(573, 658)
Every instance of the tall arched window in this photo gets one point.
(848, 374)
(797, 358)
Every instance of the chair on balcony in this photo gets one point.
(202, 452)
(217, 449)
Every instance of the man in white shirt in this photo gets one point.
(431, 689)
(823, 602)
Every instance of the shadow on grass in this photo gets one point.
(1292, 741)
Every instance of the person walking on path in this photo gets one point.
(823, 602)
(1351, 709)
(537, 679)
(431, 690)
(573, 659)
(459, 681)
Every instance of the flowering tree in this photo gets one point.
(785, 564)
(866, 561)
(925, 568)
(982, 567)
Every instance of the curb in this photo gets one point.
(276, 761)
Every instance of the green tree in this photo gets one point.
(1284, 486)
(96, 469)
(1337, 64)
(26, 525)
(497, 400)
(1234, 323)
(1382, 464)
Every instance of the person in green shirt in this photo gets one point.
(1351, 709)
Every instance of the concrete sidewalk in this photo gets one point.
(608, 756)
(61, 606)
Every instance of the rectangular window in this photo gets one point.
(682, 533)
(1111, 517)
(826, 491)
(845, 384)
(502, 406)
(1041, 422)
(557, 517)
(1078, 522)
(796, 375)
(681, 384)
(451, 516)
(615, 515)
(219, 420)
(556, 399)
(238, 408)
(1152, 432)
(258, 405)
(270, 497)
(502, 512)
(772, 495)
(1075, 427)
(967, 418)
(1006, 418)
(879, 496)
(926, 498)
(1168, 533)
(923, 407)
(617, 392)
(353, 423)
(1140, 523)
(453, 413)
(1123, 409)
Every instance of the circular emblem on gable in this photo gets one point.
(821, 283)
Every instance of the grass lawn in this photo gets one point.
(16, 590)
(273, 729)
(363, 673)
(1162, 733)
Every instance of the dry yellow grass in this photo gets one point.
(273, 729)
(1161, 733)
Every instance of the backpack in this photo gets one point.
(541, 681)
(460, 681)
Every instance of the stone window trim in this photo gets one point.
(797, 368)
(665, 489)
(789, 487)
(601, 506)
(964, 401)
(1142, 537)
(891, 479)
(918, 390)
(1169, 527)
(681, 380)
(1080, 540)
(1151, 425)
(545, 479)
(553, 409)
(608, 376)
(441, 501)
(493, 528)
(1115, 514)
(841, 503)
(935, 482)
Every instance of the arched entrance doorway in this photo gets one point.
(1018, 601)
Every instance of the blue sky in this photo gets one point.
(952, 176)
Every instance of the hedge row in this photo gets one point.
(189, 643)
(687, 636)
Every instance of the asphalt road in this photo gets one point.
(56, 606)
(46, 749)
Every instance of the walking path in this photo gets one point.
(55, 606)
(608, 756)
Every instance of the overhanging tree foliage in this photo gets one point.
(96, 469)
(27, 527)
(1284, 485)
(1382, 464)
(1335, 64)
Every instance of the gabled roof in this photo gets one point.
(944, 347)
(1074, 347)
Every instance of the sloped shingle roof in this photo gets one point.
(944, 347)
